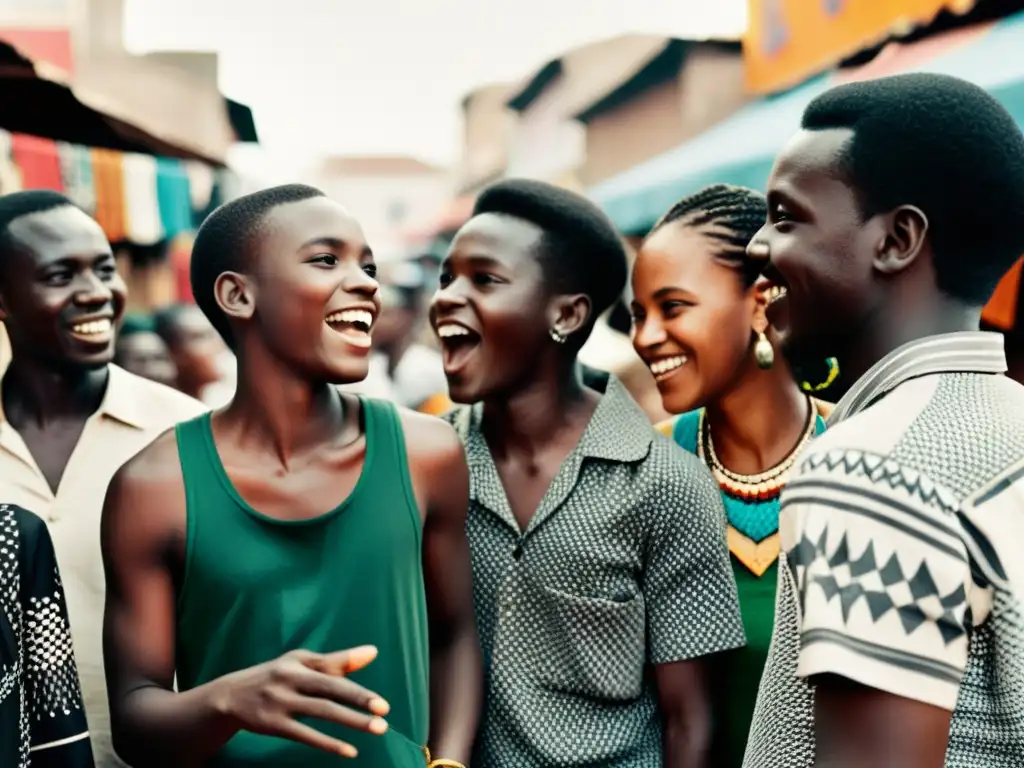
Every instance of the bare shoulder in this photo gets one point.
(152, 480)
(430, 440)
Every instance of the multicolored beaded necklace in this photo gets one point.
(761, 487)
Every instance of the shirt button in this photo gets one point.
(517, 552)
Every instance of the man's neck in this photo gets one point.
(35, 392)
(889, 331)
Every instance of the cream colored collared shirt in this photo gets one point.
(133, 413)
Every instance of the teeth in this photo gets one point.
(447, 331)
(775, 292)
(93, 327)
(360, 317)
(666, 364)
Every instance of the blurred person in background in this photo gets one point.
(205, 365)
(601, 574)
(140, 350)
(700, 327)
(71, 418)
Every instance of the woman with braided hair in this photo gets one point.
(700, 326)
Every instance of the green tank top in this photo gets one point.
(256, 587)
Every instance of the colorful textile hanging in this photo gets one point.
(37, 159)
(174, 196)
(108, 175)
(76, 173)
(142, 214)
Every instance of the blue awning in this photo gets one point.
(741, 149)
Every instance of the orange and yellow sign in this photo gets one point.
(787, 41)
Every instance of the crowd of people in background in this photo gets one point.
(234, 533)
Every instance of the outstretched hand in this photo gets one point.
(270, 698)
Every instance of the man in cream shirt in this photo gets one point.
(68, 417)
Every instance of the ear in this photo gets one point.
(235, 295)
(569, 313)
(759, 296)
(904, 241)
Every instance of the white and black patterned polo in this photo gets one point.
(901, 533)
(623, 565)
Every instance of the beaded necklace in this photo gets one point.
(764, 486)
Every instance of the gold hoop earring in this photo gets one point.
(764, 352)
(556, 336)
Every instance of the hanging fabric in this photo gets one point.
(108, 176)
(142, 217)
(10, 175)
(76, 173)
(37, 159)
(174, 196)
(200, 180)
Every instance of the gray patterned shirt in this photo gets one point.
(623, 565)
(901, 568)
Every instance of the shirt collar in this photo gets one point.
(121, 400)
(618, 431)
(963, 352)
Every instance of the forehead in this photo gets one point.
(58, 234)
(143, 341)
(680, 256)
(497, 236)
(288, 227)
(811, 164)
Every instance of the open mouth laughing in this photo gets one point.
(666, 367)
(96, 331)
(458, 343)
(354, 325)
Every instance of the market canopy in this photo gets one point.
(741, 149)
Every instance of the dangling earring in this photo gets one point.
(556, 336)
(764, 352)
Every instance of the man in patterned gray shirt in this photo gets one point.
(899, 632)
(601, 576)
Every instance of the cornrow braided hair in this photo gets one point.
(731, 215)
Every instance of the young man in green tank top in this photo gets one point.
(263, 555)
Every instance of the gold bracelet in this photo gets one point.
(441, 762)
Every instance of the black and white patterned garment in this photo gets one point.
(902, 565)
(42, 722)
(623, 565)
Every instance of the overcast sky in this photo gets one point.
(386, 76)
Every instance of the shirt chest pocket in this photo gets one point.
(593, 646)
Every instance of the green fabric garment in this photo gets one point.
(256, 587)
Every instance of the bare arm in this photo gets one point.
(456, 679)
(856, 725)
(142, 536)
(685, 704)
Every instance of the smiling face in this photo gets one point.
(60, 292)
(491, 312)
(313, 298)
(821, 248)
(692, 316)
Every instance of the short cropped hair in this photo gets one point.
(136, 323)
(224, 243)
(948, 147)
(731, 216)
(29, 201)
(581, 251)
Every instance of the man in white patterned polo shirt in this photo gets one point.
(899, 634)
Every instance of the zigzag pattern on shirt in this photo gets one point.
(881, 470)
